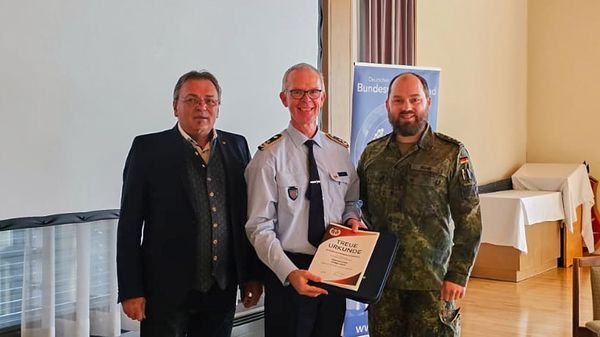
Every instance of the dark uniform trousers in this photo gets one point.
(413, 313)
(289, 314)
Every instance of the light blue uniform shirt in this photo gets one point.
(277, 179)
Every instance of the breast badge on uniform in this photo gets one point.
(338, 140)
(293, 192)
(270, 141)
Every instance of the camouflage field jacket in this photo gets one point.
(429, 199)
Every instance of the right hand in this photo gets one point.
(252, 292)
(135, 308)
(299, 280)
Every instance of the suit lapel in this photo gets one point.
(225, 148)
(180, 149)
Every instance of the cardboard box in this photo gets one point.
(510, 264)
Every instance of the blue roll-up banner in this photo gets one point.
(369, 121)
(356, 321)
(369, 116)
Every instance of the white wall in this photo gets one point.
(564, 51)
(481, 47)
(79, 79)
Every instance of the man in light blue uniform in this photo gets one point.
(278, 210)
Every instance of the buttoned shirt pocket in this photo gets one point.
(427, 185)
(337, 186)
(340, 177)
(378, 194)
(424, 175)
(291, 203)
(291, 189)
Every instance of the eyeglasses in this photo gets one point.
(299, 93)
(195, 101)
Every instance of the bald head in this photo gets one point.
(408, 106)
(424, 85)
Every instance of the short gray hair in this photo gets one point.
(301, 66)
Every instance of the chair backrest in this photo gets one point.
(595, 282)
(592, 262)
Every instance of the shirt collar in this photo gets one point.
(187, 137)
(424, 141)
(298, 138)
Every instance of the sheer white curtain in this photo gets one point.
(70, 282)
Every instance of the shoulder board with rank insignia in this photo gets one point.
(270, 141)
(448, 138)
(337, 140)
(380, 138)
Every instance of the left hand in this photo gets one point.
(452, 291)
(252, 292)
(355, 224)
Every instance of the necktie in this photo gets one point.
(316, 223)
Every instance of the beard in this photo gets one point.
(409, 129)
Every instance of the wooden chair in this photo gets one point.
(591, 328)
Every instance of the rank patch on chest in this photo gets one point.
(293, 192)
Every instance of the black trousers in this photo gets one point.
(208, 314)
(289, 314)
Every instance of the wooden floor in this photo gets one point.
(538, 306)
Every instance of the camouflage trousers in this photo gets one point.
(413, 313)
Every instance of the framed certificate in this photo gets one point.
(354, 264)
(343, 255)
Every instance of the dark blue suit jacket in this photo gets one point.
(156, 202)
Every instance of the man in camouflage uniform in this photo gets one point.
(419, 184)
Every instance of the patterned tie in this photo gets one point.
(316, 223)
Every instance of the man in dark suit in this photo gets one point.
(181, 245)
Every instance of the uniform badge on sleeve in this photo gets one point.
(465, 172)
(293, 192)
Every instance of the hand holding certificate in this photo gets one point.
(354, 264)
(343, 255)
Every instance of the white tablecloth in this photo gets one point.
(572, 181)
(505, 214)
